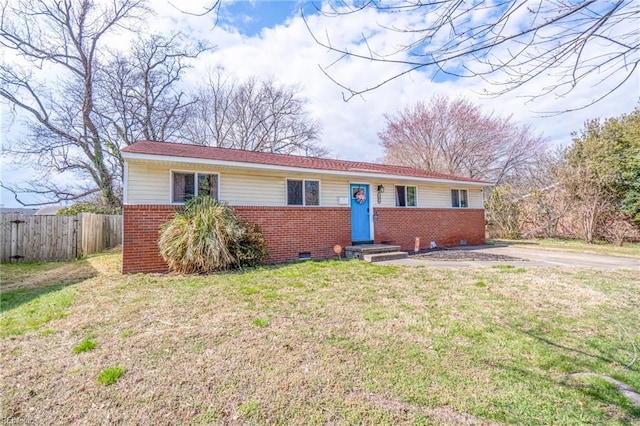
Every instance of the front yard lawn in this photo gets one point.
(338, 342)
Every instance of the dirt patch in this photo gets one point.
(442, 415)
(464, 255)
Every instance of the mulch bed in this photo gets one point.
(462, 255)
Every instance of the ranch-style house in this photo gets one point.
(305, 206)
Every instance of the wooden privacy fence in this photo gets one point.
(56, 238)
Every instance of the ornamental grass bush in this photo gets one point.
(206, 236)
(251, 247)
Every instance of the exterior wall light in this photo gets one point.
(380, 189)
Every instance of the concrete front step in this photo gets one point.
(379, 257)
(364, 249)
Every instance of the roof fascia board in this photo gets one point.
(261, 166)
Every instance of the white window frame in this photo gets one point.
(406, 198)
(195, 183)
(304, 194)
(460, 206)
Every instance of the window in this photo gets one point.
(311, 193)
(184, 186)
(405, 196)
(459, 198)
(303, 192)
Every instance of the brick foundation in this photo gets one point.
(447, 227)
(140, 232)
(290, 231)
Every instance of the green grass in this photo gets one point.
(15, 271)
(33, 294)
(37, 306)
(249, 409)
(261, 322)
(84, 346)
(599, 247)
(110, 375)
(509, 269)
(340, 342)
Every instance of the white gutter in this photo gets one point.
(260, 166)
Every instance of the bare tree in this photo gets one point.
(617, 228)
(78, 102)
(254, 116)
(141, 94)
(509, 42)
(456, 137)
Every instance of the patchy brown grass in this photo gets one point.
(598, 247)
(50, 274)
(336, 343)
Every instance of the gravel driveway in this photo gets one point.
(517, 256)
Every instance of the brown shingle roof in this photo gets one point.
(170, 149)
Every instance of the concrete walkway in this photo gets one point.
(529, 257)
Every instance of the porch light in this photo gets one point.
(380, 189)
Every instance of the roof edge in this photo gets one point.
(261, 166)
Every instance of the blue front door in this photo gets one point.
(360, 212)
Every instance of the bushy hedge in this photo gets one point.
(206, 236)
(87, 207)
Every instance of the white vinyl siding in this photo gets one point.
(331, 190)
(440, 196)
(151, 184)
(248, 190)
(428, 195)
(476, 198)
(148, 184)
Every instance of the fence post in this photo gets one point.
(15, 235)
(77, 233)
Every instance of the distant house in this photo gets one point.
(20, 210)
(47, 211)
(304, 205)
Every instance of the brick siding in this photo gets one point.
(140, 232)
(447, 227)
(290, 231)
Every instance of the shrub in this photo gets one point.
(617, 227)
(87, 207)
(206, 236)
(251, 249)
(504, 213)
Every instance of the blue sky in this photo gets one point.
(269, 40)
(251, 17)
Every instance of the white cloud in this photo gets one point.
(288, 54)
